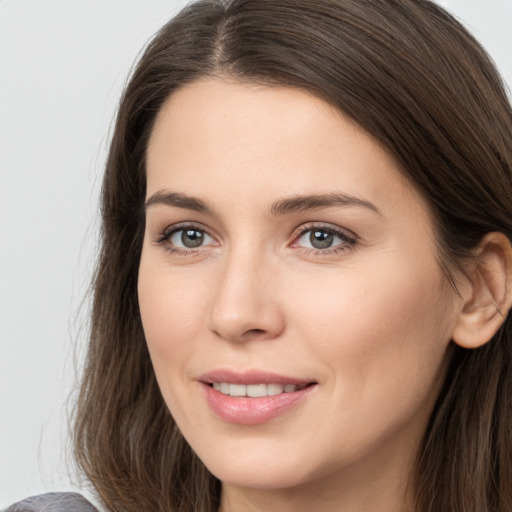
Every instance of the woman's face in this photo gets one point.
(286, 258)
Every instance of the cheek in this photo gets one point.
(374, 303)
(376, 328)
(382, 341)
(171, 310)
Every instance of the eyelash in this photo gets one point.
(168, 233)
(348, 239)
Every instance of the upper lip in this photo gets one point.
(251, 377)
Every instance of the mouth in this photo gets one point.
(256, 390)
(254, 397)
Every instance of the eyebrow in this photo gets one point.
(178, 200)
(298, 203)
(302, 203)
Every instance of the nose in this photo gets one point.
(245, 304)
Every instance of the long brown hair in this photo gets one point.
(410, 75)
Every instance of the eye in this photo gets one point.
(184, 239)
(189, 238)
(321, 238)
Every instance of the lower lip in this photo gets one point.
(252, 411)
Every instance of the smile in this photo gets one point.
(255, 390)
(254, 403)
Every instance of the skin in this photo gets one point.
(369, 321)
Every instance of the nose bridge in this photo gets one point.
(244, 305)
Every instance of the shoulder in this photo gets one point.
(53, 502)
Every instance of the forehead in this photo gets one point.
(227, 140)
(245, 120)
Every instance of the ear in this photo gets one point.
(488, 297)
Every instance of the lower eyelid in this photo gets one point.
(328, 252)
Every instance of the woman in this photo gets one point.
(301, 300)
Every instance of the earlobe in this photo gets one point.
(489, 294)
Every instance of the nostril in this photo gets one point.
(253, 334)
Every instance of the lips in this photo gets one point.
(254, 397)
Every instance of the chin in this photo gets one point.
(268, 477)
(262, 464)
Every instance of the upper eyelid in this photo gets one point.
(184, 225)
(304, 228)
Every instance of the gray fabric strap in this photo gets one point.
(53, 502)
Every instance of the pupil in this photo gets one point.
(321, 239)
(192, 238)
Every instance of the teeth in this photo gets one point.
(274, 389)
(237, 390)
(255, 390)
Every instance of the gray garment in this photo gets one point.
(53, 502)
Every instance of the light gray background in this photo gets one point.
(62, 68)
